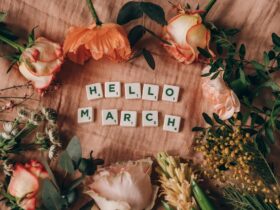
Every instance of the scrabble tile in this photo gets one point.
(109, 117)
(85, 115)
(149, 118)
(150, 92)
(94, 91)
(128, 118)
(170, 93)
(112, 89)
(132, 90)
(171, 123)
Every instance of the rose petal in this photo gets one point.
(28, 204)
(179, 26)
(39, 82)
(105, 204)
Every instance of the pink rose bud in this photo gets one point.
(186, 33)
(41, 62)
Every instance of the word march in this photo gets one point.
(149, 92)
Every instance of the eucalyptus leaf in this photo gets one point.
(154, 11)
(74, 150)
(130, 11)
(66, 163)
(50, 196)
(149, 58)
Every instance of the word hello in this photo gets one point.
(132, 91)
(149, 92)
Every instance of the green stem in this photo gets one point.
(93, 12)
(208, 8)
(13, 44)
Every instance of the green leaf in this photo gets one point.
(271, 54)
(3, 15)
(262, 145)
(31, 36)
(74, 150)
(149, 58)
(257, 65)
(265, 59)
(242, 51)
(194, 129)
(130, 11)
(135, 34)
(215, 75)
(50, 196)
(204, 52)
(217, 119)
(157, 37)
(271, 84)
(154, 11)
(276, 39)
(207, 119)
(269, 134)
(231, 31)
(166, 206)
(11, 66)
(66, 163)
(257, 118)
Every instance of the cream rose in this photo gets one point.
(125, 186)
(25, 183)
(186, 32)
(223, 100)
(41, 62)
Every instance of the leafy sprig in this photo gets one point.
(71, 161)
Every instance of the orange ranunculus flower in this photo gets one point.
(108, 40)
(25, 183)
(185, 32)
(223, 100)
(40, 62)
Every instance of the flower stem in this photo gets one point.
(208, 8)
(93, 12)
(13, 44)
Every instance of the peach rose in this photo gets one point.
(224, 101)
(25, 183)
(41, 62)
(185, 32)
(125, 186)
(108, 40)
